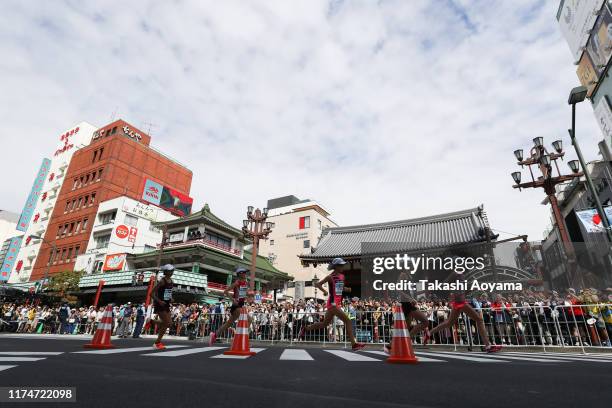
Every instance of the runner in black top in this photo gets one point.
(162, 296)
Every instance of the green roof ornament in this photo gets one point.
(205, 209)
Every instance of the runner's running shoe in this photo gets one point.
(493, 349)
(159, 346)
(213, 338)
(358, 346)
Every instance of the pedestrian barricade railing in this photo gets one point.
(540, 326)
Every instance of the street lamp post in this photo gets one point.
(577, 95)
(256, 228)
(543, 159)
(315, 280)
(53, 254)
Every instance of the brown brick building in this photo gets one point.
(116, 163)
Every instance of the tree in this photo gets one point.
(64, 282)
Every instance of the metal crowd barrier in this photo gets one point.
(522, 326)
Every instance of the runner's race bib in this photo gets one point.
(167, 294)
(242, 291)
(339, 287)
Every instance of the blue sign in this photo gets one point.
(30, 205)
(10, 258)
(152, 192)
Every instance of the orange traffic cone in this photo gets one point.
(240, 345)
(401, 346)
(102, 337)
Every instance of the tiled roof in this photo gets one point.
(408, 235)
(179, 277)
(203, 216)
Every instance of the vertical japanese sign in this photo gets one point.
(9, 259)
(603, 113)
(30, 205)
(132, 234)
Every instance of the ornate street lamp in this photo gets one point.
(256, 228)
(543, 160)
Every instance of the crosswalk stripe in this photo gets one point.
(569, 358)
(31, 353)
(178, 353)
(458, 357)
(11, 359)
(576, 355)
(422, 359)
(231, 357)
(296, 354)
(346, 355)
(6, 367)
(123, 350)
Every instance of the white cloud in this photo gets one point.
(380, 110)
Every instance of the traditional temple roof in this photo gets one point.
(204, 216)
(436, 231)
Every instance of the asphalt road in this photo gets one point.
(192, 375)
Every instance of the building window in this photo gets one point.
(85, 201)
(93, 198)
(85, 224)
(149, 248)
(79, 203)
(63, 257)
(304, 222)
(51, 176)
(102, 241)
(218, 239)
(76, 184)
(86, 179)
(94, 156)
(76, 250)
(67, 206)
(130, 220)
(59, 231)
(77, 229)
(271, 242)
(108, 218)
(101, 152)
(320, 224)
(69, 255)
(306, 243)
(99, 174)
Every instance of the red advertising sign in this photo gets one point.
(114, 262)
(133, 233)
(122, 231)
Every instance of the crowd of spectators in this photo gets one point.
(527, 318)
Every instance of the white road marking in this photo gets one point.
(31, 353)
(178, 353)
(296, 354)
(230, 357)
(346, 355)
(123, 350)
(423, 359)
(6, 367)
(11, 359)
(458, 357)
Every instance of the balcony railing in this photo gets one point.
(205, 242)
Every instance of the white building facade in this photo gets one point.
(43, 197)
(298, 225)
(122, 226)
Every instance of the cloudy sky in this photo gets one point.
(380, 110)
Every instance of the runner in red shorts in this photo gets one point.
(335, 281)
(459, 305)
